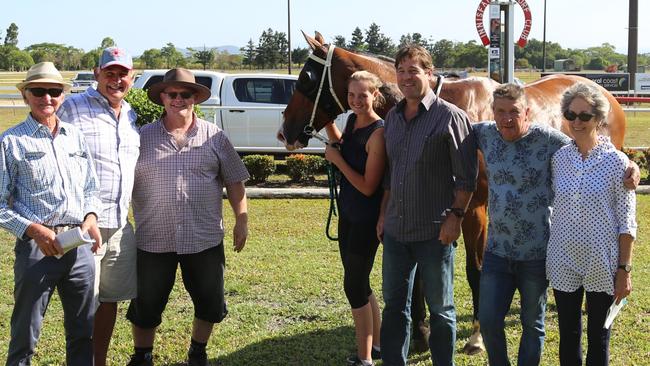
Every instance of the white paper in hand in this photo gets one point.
(73, 238)
(612, 312)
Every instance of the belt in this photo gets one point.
(58, 229)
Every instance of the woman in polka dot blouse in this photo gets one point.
(592, 227)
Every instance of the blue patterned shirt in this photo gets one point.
(46, 180)
(114, 144)
(520, 189)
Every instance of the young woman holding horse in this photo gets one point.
(592, 227)
(361, 160)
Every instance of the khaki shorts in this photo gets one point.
(115, 266)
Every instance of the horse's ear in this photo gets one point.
(319, 37)
(311, 41)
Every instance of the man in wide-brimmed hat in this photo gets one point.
(108, 124)
(184, 164)
(49, 187)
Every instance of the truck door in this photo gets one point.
(252, 112)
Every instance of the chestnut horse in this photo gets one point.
(321, 94)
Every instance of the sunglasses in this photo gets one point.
(184, 95)
(583, 116)
(39, 92)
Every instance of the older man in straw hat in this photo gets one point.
(183, 166)
(108, 124)
(48, 188)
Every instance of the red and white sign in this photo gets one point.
(485, 39)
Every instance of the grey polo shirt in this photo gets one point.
(429, 158)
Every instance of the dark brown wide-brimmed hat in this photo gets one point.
(178, 77)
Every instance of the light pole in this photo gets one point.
(544, 41)
(289, 34)
(633, 42)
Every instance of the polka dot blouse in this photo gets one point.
(590, 210)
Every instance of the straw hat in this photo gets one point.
(182, 78)
(43, 72)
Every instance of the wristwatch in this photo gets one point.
(626, 267)
(458, 212)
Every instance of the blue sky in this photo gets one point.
(139, 25)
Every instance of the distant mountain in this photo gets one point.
(233, 50)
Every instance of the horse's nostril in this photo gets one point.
(280, 136)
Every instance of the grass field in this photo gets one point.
(287, 306)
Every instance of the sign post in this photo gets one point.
(501, 51)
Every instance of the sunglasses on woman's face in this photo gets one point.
(184, 95)
(39, 92)
(583, 116)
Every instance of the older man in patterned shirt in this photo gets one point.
(108, 124)
(48, 186)
(184, 164)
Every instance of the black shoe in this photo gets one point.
(141, 360)
(197, 358)
(376, 355)
(354, 360)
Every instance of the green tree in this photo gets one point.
(271, 49)
(377, 42)
(357, 43)
(11, 38)
(416, 38)
(443, 54)
(172, 56)
(152, 58)
(249, 51)
(205, 57)
(90, 59)
(299, 55)
(107, 42)
(339, 41)
(470, 54)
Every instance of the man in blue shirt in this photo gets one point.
(108, 124)
(48, 186)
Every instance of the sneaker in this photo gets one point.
(137, 360)
(354, 360)
(197, 359)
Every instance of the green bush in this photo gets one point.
(147, 110)
(260, 167)
(302, 167)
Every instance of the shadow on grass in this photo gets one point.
(320, 347)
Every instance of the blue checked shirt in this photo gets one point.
(114, 144)
(46, 180)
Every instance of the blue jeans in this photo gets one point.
(436, 264)
(500, 277)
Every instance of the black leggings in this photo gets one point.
(358, 245)
(569, 314)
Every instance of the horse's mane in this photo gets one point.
(371, 55)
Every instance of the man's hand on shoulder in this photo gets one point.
(632, 176)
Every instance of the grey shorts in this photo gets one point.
(115, 265)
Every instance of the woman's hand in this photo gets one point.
(333, 155)
(622, 285)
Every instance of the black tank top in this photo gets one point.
(354, 205)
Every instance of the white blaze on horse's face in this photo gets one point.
(511, 117)
(413, 79)
(360, 98)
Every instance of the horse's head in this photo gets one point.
(313, 103)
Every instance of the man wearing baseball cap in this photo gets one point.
(48, 187)
(108, 124)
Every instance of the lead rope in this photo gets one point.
(334, 199)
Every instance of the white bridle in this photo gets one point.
(327, 70)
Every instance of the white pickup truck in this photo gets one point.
(248, 107)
